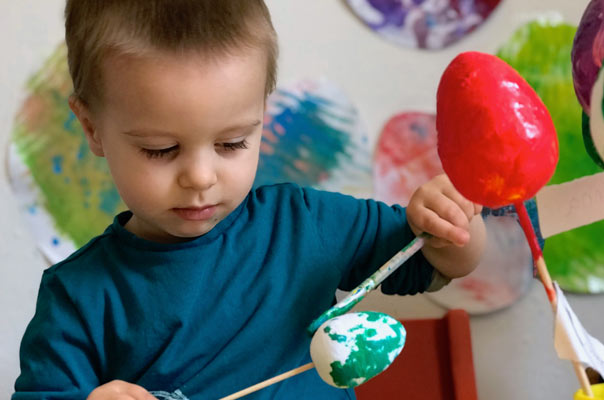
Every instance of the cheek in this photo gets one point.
(139, 182)
(242, 174)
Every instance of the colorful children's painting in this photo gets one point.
(405, 158)
(424, 24)
(65, 192)
(313, 136)
(540, 52)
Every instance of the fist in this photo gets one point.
(120, 390)
(439, 209)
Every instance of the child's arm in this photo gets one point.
(58, 360)
(454, 222)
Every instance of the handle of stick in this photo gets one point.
(546, 280)
(269, 382)
(357, 294)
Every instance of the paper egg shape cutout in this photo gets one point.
(425, 24)
(588, 52)
(350, 349)
(405, 156)
(593, 133)
(496, 139)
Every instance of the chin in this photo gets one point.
(187, 234)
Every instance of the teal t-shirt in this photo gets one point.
(208, 317)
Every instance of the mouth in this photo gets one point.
(196, 213)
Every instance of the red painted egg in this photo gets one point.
(496, 140)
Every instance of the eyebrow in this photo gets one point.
(155, 132)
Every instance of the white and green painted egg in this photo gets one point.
(350, 349)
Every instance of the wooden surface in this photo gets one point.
(435, 364)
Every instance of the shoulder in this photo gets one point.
(83, 262)
(288, 193)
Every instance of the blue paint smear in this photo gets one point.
(32, 209)
(110, 199)
(82, 150)
(310, 137)
(57, 164)
(55, 241)
(69, 125)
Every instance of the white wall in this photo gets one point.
(513, 349)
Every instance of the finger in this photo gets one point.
(438, 243)
(448, 210)
(139, 393)
(477, 209)
(430, 222)
(464, 204)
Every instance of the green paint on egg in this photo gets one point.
(352, 348)
(338, 338)
(367, 359)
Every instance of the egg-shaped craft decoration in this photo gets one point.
(350, 349)
(496, 139)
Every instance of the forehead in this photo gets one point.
(158, 84)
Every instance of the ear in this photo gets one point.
(82, 112)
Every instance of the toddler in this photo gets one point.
(206, 286)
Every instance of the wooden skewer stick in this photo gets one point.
(269, 382)
(546, 280)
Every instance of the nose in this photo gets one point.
(198, 174)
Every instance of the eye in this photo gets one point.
(232, 146)
(158, 153)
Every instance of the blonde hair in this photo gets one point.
(95, 29)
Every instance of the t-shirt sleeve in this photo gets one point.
(56, 356)
(359, 236)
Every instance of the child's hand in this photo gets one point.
(439, 209)
(458, 238)
(120, 390)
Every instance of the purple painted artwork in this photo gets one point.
(425, 24)
(588, 52)
(313, 136)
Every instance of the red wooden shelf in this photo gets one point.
(435, 364)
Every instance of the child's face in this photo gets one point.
(181, 135)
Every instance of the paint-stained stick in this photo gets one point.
(370, 283)
(269, 382)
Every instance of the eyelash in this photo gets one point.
(227, 147)
(158, 153)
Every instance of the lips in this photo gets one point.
(196, 213)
